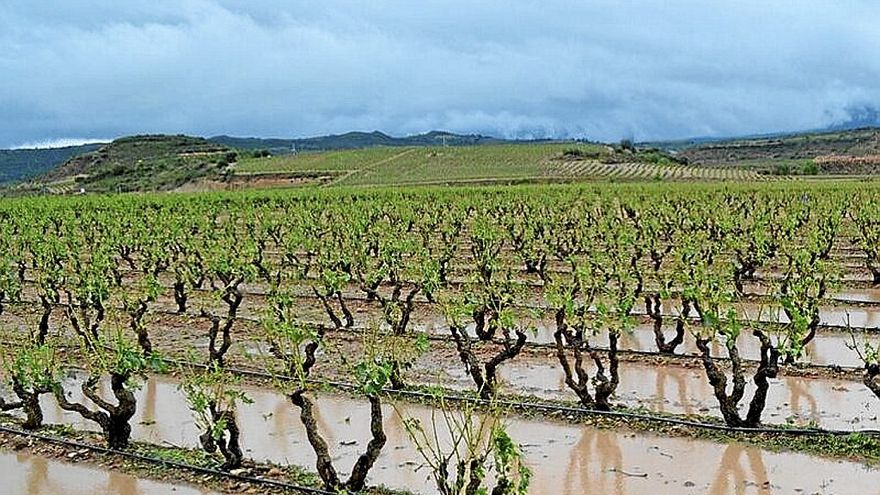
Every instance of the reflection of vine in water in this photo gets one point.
(39, 479)
(149, 401)
(731, 465)
(37, 473)
(282, 418)
(121, 484)
(662, 376)
(148, 418)
(579, 479)
(798, 391)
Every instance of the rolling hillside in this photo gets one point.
(846, 152)
(160, 163)
(474, 164)
(142, 163)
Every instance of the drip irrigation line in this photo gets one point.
(424, 301)
(548, 407)
(357, 330)
(163, 462)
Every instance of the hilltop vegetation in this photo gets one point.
(23, 164)
(144, 163)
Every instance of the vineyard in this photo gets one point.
(539, 339)
(484, 164)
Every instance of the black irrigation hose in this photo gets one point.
(667, 420)
(164, 462)
(552, 346)
(558, 408)
(524, 305)
(532, 344)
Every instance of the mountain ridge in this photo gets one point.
(354, 140)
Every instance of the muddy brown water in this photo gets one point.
(25, 474)
(830, 403)
(806, 401)
(679, 388)
(566, 459)
(827, 348)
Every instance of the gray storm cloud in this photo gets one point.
(599, 69)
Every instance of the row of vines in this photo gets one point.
(589, 257)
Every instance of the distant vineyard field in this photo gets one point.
(488, 163)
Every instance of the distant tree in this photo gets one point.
(809, 167)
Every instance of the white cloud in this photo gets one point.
(58, 143)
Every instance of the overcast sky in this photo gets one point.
(82, 69)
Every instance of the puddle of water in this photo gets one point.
(25, 474)
(828, 315)
(827, 348)
(836, 404)
(566, 459)
(858, 295)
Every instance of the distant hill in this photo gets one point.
(143, 163)
(353, 140)
(163, 162)
(23, 164)
(846, 151)
(854, 142)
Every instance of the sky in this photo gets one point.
(78, 70)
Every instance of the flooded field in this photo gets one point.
(109, 285)
(566, 459)
(829, 403)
